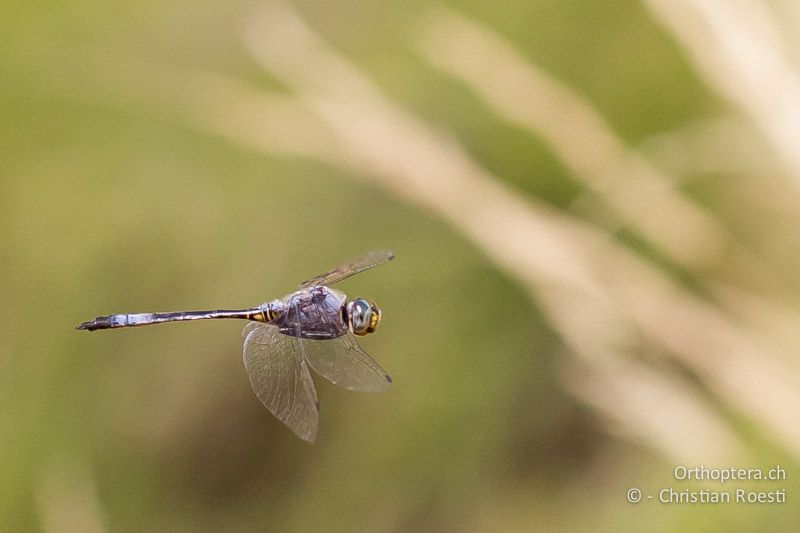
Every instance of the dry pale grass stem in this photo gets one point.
(522, 94)
(208, 101)
(737, 46)
(641, 195)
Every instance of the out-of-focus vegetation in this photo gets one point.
(594, 210)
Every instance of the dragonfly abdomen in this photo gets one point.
(145, 319)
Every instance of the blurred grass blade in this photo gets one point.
(738, 47)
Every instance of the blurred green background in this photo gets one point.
(127, 185)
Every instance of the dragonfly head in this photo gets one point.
(363, 316)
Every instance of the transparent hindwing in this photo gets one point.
(280, 378)
(342, 362)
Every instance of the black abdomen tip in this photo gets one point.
(101, 322)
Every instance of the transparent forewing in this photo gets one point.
(342, 362)
(370, 260)
(280, 378)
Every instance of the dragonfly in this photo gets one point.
(315, 327)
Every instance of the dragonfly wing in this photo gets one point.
(342, 362)
(344, 271)
(279, 376)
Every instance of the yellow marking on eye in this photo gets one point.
(373, 321)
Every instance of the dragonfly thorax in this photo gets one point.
(323, 313)
(312, 313)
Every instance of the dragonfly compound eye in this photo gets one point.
(363, 316)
